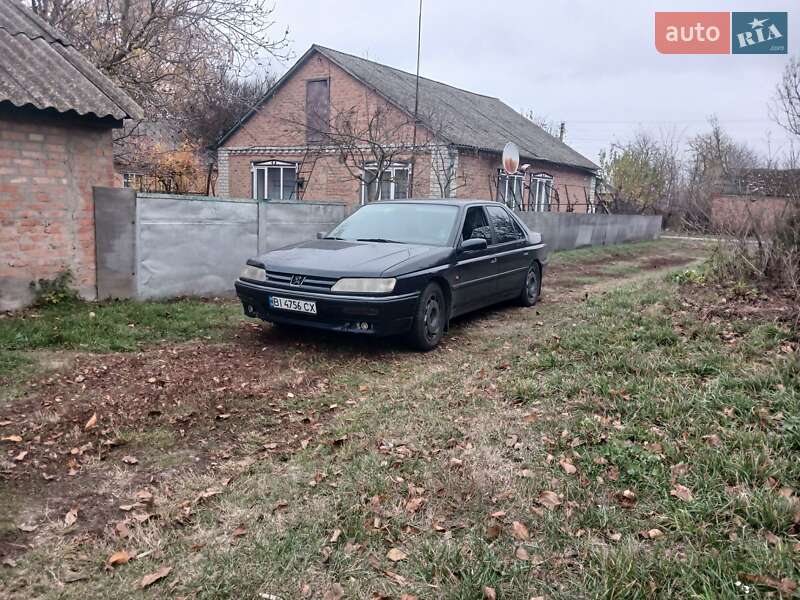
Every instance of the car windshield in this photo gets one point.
(406, 223)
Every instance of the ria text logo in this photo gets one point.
(721, 32)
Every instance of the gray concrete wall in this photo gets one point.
(115, 242)
(565, 231)
(192, 247)
(161, 246)
(284, 223)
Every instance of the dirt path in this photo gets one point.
(104, 427)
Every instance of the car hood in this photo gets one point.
(338, 258)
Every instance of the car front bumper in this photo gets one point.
(371, 315)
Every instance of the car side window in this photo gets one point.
(505, 228)
(476, 225)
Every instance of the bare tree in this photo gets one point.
(163, 52)
(374, 142)
(786, 107)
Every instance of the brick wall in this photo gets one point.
(477, 171)
(48, 165)
(735, 215)
(277, 132)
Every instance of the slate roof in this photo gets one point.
(41, 68)
(466, 119)
(762, 182)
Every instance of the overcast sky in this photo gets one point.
(591, 64)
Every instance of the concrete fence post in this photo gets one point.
(115, 242)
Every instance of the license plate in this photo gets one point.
(303, 306)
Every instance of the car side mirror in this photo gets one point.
(321, 235)
(473, 245)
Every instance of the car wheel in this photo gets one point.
(533, 286)
(429, 320)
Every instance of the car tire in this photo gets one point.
(430, 318)
(532, 287)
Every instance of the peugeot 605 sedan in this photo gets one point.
(398, 267)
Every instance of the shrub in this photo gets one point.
(51, 292)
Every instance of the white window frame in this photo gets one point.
(265, 166)
(502, 180)
(392, 170)
(540, 182)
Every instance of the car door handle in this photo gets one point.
(494, 260)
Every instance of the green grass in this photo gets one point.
(113, 326)
(615, 252)
(636, 391)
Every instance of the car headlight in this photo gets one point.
(365, 285)
(255, 273)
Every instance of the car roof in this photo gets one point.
(445, 201)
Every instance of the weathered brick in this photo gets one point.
(277, 132)
(46, 216)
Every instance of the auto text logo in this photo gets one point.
(722, 32)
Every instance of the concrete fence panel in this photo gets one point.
(565, 231)
(284, 223)
(192, 247)
(160, 246)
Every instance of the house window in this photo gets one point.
(509, 189)
(318, 108)
(275, 180)
(540, 192)
(393, 183)
(132, 180)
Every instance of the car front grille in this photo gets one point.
(309, 282)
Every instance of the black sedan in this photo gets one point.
(398, 267)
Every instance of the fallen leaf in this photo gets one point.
(118, 558)
(27, 528)
(130, 460)
(239, 531)
(11, 438)
(652, 534)
(92, 422)
(395, 555)
(150, 579)
(568, 467)
(520, 531)
(681, 492)
(335, 535)
(784, 586)
(772, 538)
(122, 529)
(489, 593)
(414, 504)
(21, 456)
(521, 553)
(712, 440)
(144, 496)
(627, 499)
(71, 517)
(335, 593)
(549, 499)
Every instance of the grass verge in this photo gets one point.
(626, 447)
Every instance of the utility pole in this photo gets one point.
(416, 108)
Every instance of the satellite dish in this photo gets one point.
(510, 158)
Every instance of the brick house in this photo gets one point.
(754, 200)
(289, 146)
(57, 113)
